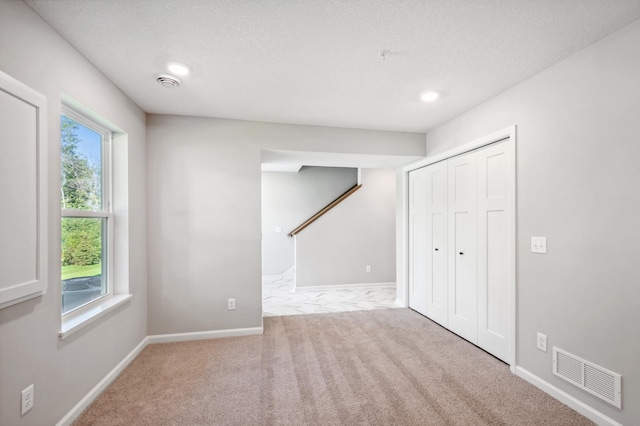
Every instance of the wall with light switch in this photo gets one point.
(578, 182)
(288, 199)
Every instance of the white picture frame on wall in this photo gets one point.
(23, 192)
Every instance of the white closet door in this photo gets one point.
(462, 279)
(418, 240)
(436, 215)
(493, 257)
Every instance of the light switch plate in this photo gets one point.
(539, 244)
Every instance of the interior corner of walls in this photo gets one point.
(84, 403)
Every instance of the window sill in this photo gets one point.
(83, 317)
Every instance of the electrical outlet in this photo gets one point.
(368, 268)
(27, 399)
(541, 342)
(539, 245)
(231, 304)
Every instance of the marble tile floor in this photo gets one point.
(279, 298)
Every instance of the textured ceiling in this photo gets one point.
(316, 61)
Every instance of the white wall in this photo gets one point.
(578, 184)
(359, 231)
(288, 199)
(204, 206)
(64, 371)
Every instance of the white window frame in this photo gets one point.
(106, 212)
(116, 206)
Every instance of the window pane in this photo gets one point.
(81, 172)
(83, 250)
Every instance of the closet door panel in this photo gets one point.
(461, 260)
(492, 283)
(462, 277)
(418, 240)
(437, 199)
(494, 292)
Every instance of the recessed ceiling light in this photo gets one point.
(178, 68)
(430, 96)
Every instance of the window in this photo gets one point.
(86, 224)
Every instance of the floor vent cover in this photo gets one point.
(588, 376)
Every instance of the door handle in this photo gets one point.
(461, 253)
(436, 249)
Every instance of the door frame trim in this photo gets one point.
(403, 260)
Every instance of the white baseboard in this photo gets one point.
(400, 304)
(342, 286)
(160, 338)
(203, 335)
(102, 385)
(574, 403)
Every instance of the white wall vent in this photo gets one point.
(594, 379)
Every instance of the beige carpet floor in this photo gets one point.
(383, 367)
